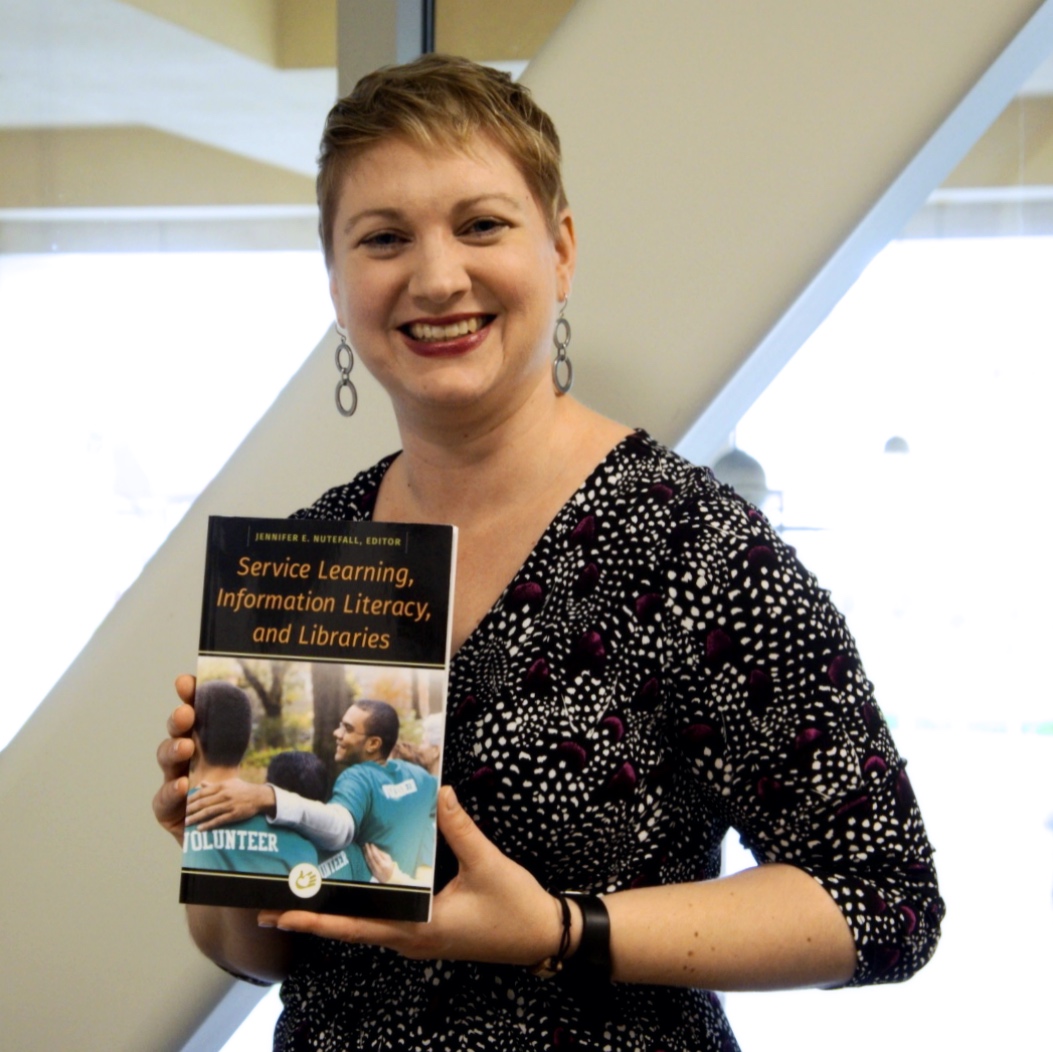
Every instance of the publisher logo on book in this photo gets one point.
(304, 880)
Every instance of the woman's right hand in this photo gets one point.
(230, 936)
(173, 757)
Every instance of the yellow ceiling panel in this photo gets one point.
(133, 167)
(286, 34)
(1017, 150)
(487, 31)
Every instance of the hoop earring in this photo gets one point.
(561, 341)
(344, 353)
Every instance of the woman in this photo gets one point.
(639, 663)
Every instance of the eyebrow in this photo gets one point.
(395, 214)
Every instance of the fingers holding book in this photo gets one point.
(173, 757)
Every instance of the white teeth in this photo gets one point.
(422, 331)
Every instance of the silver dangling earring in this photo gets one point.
(561, 341)
(345, 362)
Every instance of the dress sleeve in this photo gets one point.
(785, 731)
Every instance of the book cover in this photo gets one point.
(322, 680)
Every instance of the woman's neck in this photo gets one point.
(501, 485)
(469, 476)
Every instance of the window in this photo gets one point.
(937, 557)
(131, 378)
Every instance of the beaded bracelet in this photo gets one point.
(550, 966)
(592, 959)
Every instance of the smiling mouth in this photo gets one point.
(426, 333)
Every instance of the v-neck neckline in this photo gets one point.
(548, 536)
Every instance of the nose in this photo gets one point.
(439, 275)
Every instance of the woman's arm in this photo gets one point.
(769, 927)
(231, 937)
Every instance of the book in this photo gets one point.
(322, 673)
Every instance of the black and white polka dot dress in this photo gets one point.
(660, 670)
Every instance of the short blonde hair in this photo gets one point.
(440, 101)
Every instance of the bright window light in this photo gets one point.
(936, 553)
(257, 1029)
(130, 379)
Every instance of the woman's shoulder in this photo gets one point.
(676, 493)
(665, 512)
(353, 500)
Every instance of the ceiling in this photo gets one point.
(169, 104)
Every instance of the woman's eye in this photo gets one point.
(485, 227)
(382, 241)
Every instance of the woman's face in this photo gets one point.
(446, 276)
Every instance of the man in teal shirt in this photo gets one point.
(391, 801)
(381, 806)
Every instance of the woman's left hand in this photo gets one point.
(493, 910)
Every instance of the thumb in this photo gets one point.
(466, 840)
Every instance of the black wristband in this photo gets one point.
(592, 958)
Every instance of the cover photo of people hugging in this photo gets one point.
(362, 812)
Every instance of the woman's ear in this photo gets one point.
(341, 327)
(566, 243)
